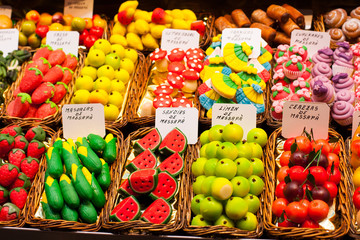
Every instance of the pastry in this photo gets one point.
(282, 38)
(294, 67)
(321, 68)
(299, 50)
(267, 33)
(302, 95)
(342, 81)
(323, 55)
(343, 58)
(299, 84)
(335, 18)
(323, 92)
(289, 26)
(260, 16)
(240, 18)
(345, 95)
(355, 13)
(342, 112)
(322, 78)
(280, 92)
(351, 28)
(336, 35)
(277, 109)
(295, 15)
(221, 23)
(278, 13)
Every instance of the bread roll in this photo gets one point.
(278, 13)
(288, 27)
(295, 15)
(221, 23)
(281, 38)
(267, 33)
(240, 18)
(260, 16)
(351, 28)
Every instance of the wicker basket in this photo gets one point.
(218, 231)
(140, 89)
(342, 223)
(49, 120)
(138, 226)
(34, 203)
(31, 194)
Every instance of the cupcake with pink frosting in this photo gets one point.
(298, 50)
(343, 81)
(294, 68)
(276, 110)
(323, 92)
(302, 95)
(322, 78)
(280, 92)
(324, 55)
(345, 95)
(306, 74)
(279, 77)
(298, 84)
(321, 68)
(281, 51)
(343, 59)
(342, 112)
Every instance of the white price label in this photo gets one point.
(314, 41)
(308, 115)
(252, 36)
(67, 40)
(241, 114)
(79, 8)
(9, 40)
(186, 119)
(176, 38)
(79, 120)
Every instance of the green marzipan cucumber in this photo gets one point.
(87, 212)
(82, 142)
(53, 193)
(69, 156)
(49, 212)
(80, 183)
(110, 151)
(89, 159)
(96, 142)
(54, 164)
(68, 191)
(69, 214)
(104, 178)
(98, 197)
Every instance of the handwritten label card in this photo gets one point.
(79, 8)
(6, 10)
(242, 114)
(356, 122)
(297, 115)
(176, 38)
(252, 36)
(9, 40)
(67, 40)
(186, 119)
(79, 120)
(314, 41)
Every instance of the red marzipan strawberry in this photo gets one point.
(21, 142)
(7, 143)
(16, 155)
(35, 149)
(12, 130)
(68, 75)
(37, 133)
(56, 57)
(60, 91)
(42, 64)
(32, 79)
(44, 52)
(9, 212)
(70, 62)
(18, 197)
(46, 109)
(29, 166)
(43, 92)
(4, 195)
(54, 75)
(8, 174)
(21, 181)
(16, 92)
(19, 106)
(32, 111)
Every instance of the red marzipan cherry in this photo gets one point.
(288, 143)
(335, 175)
(318, 210)
(296, 212)
(332, 188)
(279, 206)
(321, 144)
(285, 158)
(298, 174)
(309, 223)
(320, 175)
(303, 144)
(356, 198)
(287, 223)
(279, 191)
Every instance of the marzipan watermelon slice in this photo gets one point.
(174, 164)
(158, 212)
(125, 189)
(151, 140)
(144, 180)
(166, 187)
(175, 141)
(146, 159)
(127, 210)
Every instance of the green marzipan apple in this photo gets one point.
(244, 149)
(198, 183)
(204, 137)
(195, 203)
(197, 167)
(256, 185)
(249, 222)
(253, 203)
(211, 149)
(232, 132)
(221, 189)
(206, 185)
(215, 133)
(209, 167)
(257, 150)
(210, 208)
(257, 135)
(199, 220)
(223, 220)
(241, 186)
(244, 167)
(258, 166)
(227, 150)
(236, 208)
(225, 168)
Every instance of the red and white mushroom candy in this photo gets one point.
(176, 55)
(195, 53)
(162, 101)
(181, 102)
(176, 67)
(195, 64)
(159, 56)
(163, 89)
(175, 80)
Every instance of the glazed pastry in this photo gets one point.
(323, 92)
(221, 23)
(260, 16)
(355, 13)
(240, 18)
(335, 18)
(282, 38)
(343, 81)
(295, 15)
(342, 112)
(278, 13)
(289, 26)
(345, 95)
(267, 33)
(351, 28)
(323, 55)
(336, 35)
(321, 68)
